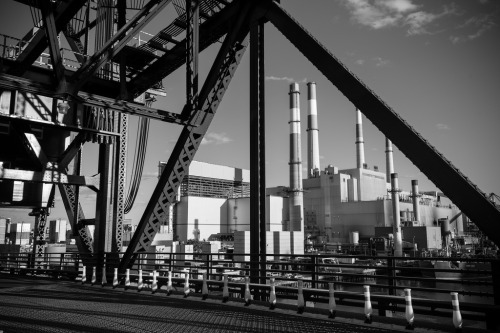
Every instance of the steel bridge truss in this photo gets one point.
(204, 23)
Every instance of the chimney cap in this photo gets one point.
(294, 88)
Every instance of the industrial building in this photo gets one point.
(215, 200)
(329, 206)
(342, 206)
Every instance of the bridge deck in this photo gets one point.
(38, 305)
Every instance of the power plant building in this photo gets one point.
(328, 206)
(215, 200)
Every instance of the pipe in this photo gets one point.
(396, 227)
(360, 143)
(295, 195)
(415, 195)
(389, 161)
(313, 166)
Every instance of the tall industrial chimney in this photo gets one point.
(313, 167)
(415, 195)
(396, 227)
(389, 161)
(360, 143)
(296, 201)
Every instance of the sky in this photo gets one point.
(436, 63)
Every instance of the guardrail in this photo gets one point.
(476, 281)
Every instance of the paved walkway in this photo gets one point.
(35, 305)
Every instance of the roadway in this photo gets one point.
(45, 305)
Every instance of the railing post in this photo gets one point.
(314, 271)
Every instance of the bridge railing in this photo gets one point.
(431, 280)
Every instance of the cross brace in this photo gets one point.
(189, 140)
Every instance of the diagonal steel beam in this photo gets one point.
(71, 151)
(192, 52)
(83, 237)
(49, 24)
(63, 14)
(213, 90)
(461, 191)
(31, 145)
(118, 42)
(75, 44)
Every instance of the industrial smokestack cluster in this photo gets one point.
(313, 167)
(296, 201)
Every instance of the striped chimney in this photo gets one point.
(414, 190)
(396, 227)
(360, 143)
(313, 166)
(389, 161)
(295, 196)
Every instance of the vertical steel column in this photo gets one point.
(103, 231)
(257, 154)
(262, 155)
(104, 222)
(121, 146)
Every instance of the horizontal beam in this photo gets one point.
(10, 82)
(130, 108)
(50, 177)
(36, 77)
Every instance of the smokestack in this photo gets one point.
(396, 227)
(389, 162)
(295, 195)
(313, 166)
(415, 195)
(360, 143)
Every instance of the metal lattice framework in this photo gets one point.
(213, 90)
(105, 102)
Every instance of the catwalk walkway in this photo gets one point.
(35, 305)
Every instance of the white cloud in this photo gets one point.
(443, 127)
(285, 78)
(478, 24)
(378, 14)
(417, 22)
(375, 14)
(360, 62)
(379, 62)
(215, 138)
